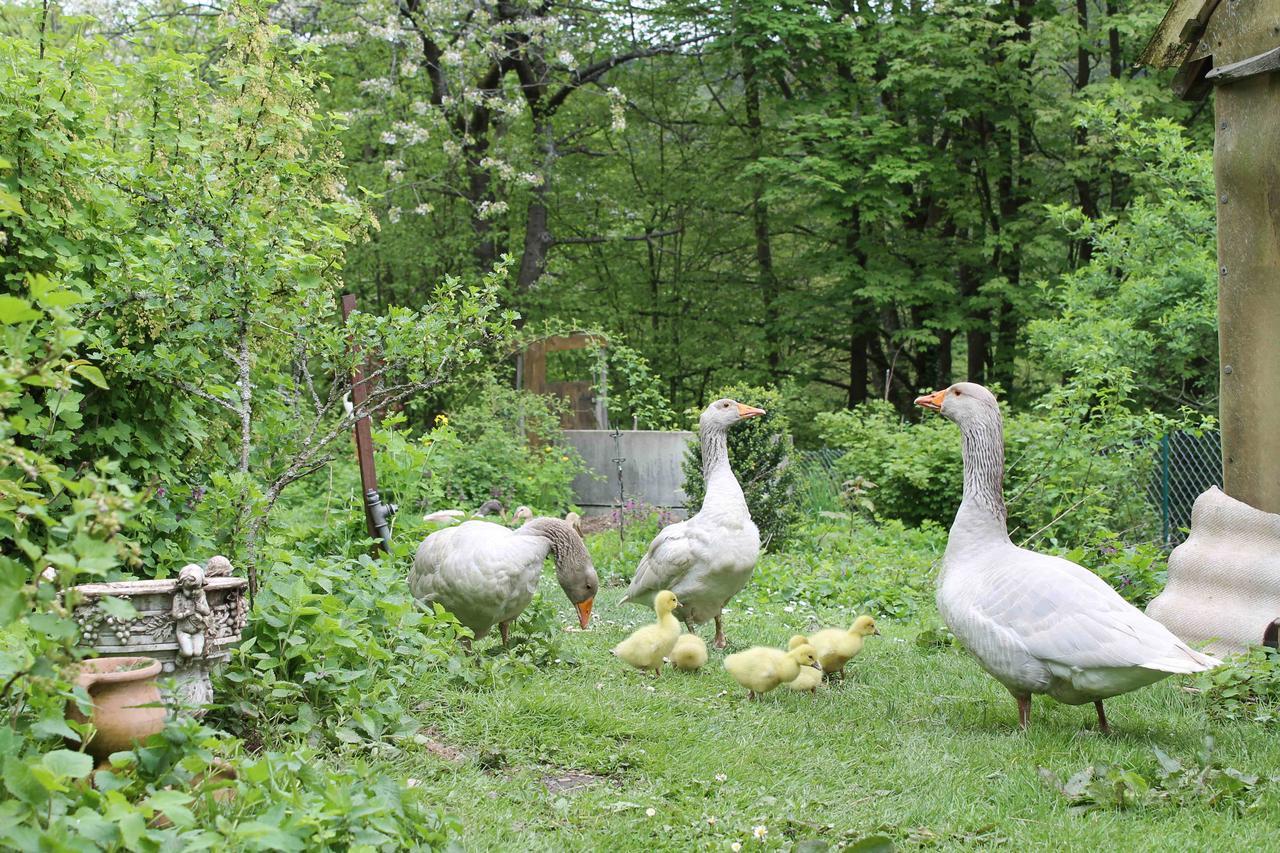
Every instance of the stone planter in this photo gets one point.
(168, 633)
(126, 703)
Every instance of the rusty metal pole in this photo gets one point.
(376, 513)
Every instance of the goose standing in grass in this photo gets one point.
(486, 574)
(707, 559)
(1036, 623)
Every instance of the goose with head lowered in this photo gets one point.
(486, 574)
(1038, 624)
(707, 559)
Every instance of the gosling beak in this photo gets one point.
(745, 411)
(584, 612)
(816, 665)
(932, 401)
(875, 631)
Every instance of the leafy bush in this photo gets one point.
(1137, 572)
(886, 569)
(167, 794)
(1070, 476)
(1246, 687)
(1204, 782)
(340, 641)
(502, 444)
(760, 451)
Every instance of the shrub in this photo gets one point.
(339, 640)
(1068, 479)
(885, 569)
(761, 453)
(502, 444)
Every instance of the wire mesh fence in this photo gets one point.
(819, 482)
(1186, 464)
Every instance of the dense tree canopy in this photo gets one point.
(873, 187)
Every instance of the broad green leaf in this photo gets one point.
(15, 310)
(65, 763)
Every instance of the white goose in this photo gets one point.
(707, 559)
(1036, 623)
(486, 574)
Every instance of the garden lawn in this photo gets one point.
(918, 745)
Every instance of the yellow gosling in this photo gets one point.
(836, 646)
(810, 678)
(761, 669)
(689, 653)
(647, 646)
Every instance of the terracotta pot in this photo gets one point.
(126, 702)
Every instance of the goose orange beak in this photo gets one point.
(745, 411)
(584, 612)
(932, 401)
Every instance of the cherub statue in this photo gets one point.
(191, 611)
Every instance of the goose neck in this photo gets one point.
(983, 452)
(715, 451)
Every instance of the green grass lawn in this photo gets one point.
(917, 745)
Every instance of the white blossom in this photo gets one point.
(388, 138)
(393, 215)
(423, 209)
(377, 86)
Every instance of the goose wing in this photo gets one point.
(482, 572)
(668, 559)
(1064, 614)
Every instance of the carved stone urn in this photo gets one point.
(189, 624)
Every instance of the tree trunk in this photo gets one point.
(768, 280)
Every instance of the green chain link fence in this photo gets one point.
(1186, 464)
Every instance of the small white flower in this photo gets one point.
(393, 215)
(711, 821)
(412, 783)
(565, 57)
(599, 685)
(721, 777)
(735, 846)
(760, 832)
(388, 138)
(422, 209)
(651, 811)
(790, 608)
(650, 688)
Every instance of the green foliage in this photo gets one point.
(883, 569)
(1074, 472)
(1145, 305)
(761, 453)
(1137, 572)
(333, 652)
(172, 793)
(499, 443)
(1204, 782)
(1246, 687)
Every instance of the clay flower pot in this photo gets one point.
(126, 702)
